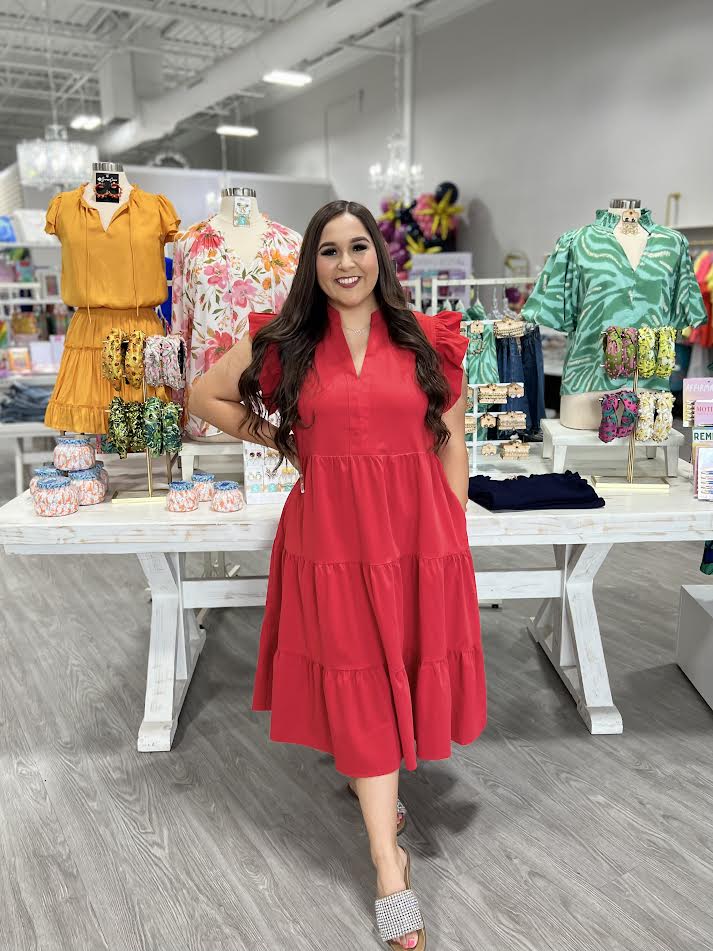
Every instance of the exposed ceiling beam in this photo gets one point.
(320, 26)
(20, 92)
(193, 48)
(243, 21)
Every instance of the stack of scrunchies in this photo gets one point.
(133, 357)
(650, 350)
(135, 427)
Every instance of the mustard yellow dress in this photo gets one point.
(115, 279)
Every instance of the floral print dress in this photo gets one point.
(214, 290)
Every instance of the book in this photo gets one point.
(695, 389)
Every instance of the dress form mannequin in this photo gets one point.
(107, 207)
(583, 410)
(244, 240)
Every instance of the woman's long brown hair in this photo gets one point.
(302, 323)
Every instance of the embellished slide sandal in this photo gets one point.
(399, 914)
(400, 812)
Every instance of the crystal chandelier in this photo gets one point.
(54, 160)
(400, 178)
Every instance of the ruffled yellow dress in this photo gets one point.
(115, 278)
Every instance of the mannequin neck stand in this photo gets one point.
(244, 240)
(107, 209)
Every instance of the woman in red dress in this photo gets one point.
(370, 647)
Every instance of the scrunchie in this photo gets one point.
(135, 425)
(134, 362)
(173, 358)
(629, 338)
(171, 429)
(647, 352)
(118, 431)
(666, 355)
(113, 358)
(152, 361)
(153, 411)
(613, 353)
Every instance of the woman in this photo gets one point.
(370, 646)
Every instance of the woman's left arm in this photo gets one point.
(454, 455)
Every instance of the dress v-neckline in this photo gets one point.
(336, 318)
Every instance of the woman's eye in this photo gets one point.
(327, 252)
(360, 247)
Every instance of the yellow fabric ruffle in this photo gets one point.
(81, 394)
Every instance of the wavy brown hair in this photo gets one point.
(302, 323)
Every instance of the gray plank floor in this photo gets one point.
(538, 836)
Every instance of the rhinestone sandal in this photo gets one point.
(400, 811)
(399, 914)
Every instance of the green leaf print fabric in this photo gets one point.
(588, 285)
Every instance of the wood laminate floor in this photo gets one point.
(538, 837)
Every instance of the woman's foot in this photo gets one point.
(391, 878)
(400, 818)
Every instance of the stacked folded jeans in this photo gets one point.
(22, 403)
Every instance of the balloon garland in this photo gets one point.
(425, 226)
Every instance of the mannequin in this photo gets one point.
(225, 267)
(102, 174)
(583, 410)
(243, 239)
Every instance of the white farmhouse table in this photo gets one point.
(566, 625)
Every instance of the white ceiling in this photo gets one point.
(77, 36)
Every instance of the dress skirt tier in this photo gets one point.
(370, 647)
(81, 394)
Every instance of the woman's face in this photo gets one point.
(347, 265)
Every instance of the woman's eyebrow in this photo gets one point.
(332, 244)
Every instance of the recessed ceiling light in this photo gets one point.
(247, 131)
(86, 122)
(286, 77)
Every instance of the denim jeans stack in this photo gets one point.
(22, 403)
(520, 360)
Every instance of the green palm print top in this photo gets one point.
(588, 285)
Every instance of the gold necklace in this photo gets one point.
(360, 330)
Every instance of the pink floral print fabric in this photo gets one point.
(213, 291)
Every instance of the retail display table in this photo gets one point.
(18, 434)
(557, 439)
(565, 626)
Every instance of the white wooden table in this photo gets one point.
(566, 624)
(192, 450)
(558, 439)
(21, 436)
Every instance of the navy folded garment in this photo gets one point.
(553, 490)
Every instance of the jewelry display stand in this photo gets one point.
(610, 483)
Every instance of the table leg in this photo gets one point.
(651, 452)
(567, 629)
(19, 470)
(546, 444)
(187, 463)
(175, 644)
(560, 454)
(671, 460)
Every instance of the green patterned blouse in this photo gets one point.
(588, 285)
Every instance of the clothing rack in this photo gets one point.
(415, 283)
(476, 282)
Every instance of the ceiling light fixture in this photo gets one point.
(87, 123)
(287, 77)
(246, 131)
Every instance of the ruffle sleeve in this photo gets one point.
(271, 372)
(554, 299)
(169, 219)
(443, 332)
(52, 212)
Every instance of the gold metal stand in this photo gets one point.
(627, 484)
(134, 497)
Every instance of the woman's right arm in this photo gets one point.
(215, 397)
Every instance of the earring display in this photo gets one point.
(263, 484)
(493, 393)
(512, 420)
(515, 448)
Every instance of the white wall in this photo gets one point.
(541, 110)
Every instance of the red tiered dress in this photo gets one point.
(370, 645)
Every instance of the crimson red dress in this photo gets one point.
(370, 646)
